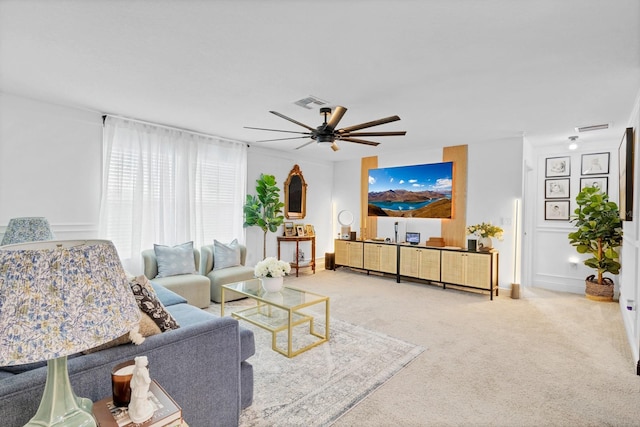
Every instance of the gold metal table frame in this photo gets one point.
(279, 311)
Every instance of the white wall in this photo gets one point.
(51, 162)
(630, 255)
(50, 165)
(319, 179)
(553, 258)
(494, 182)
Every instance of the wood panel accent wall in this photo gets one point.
(454, 229)
(368, 225)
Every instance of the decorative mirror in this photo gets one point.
(345, 218)
(295, 195)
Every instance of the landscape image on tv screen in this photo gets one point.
(417, 191)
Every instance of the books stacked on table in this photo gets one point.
(166, 413)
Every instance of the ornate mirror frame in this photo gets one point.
(295, 195)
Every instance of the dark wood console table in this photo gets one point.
(297, 239)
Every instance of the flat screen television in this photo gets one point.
(416, 191)
(413, 238)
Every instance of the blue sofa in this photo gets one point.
(202, 365)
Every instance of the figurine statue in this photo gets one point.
(140, 408)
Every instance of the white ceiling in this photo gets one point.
(455, 71)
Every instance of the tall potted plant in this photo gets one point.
(599, 234)
(264, 209)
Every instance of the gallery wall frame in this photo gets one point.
(595, 164)
(557, 188)
(626, 153)
(556, 210)
(557, 166)
(600, 182)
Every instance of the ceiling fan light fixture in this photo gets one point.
(326, 139)
(328, 132)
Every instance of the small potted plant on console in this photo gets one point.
(485, 232)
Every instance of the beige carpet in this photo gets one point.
(318, 386)
(546, 359)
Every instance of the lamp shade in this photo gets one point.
(61, 297)
(27, 229)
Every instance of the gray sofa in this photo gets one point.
(195, 288)
(223, 276)
(202, 365)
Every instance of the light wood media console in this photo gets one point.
(459, 267)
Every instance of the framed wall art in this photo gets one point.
(626, 153)
(556, 210)
(556, 188)
(599, 182)
(308, 230)
(289, 231)
(557, 166)
(595, 164)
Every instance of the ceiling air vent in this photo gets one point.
(306, 102)
(593, 127)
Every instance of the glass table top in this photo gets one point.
(287, 297)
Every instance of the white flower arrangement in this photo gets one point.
(272, 267)
(486, 230)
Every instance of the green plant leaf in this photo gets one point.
(264, 209)
(598, 230)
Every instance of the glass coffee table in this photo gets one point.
(281, 312)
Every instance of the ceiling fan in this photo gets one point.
(327, 133)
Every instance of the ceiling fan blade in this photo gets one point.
(398, 133)
(360, 141)
(335, 147)
(277, 130)
(292, 120)
(336, 116)
(369, 124)
(304, 145)
(284, 139)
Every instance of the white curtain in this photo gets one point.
(168, 186)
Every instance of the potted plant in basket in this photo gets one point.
(264, 209)
(599, 234)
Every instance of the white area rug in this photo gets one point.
(316, 387)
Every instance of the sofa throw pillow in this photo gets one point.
(147, 328)
(150, 304)
(225, 255)
(175, 260)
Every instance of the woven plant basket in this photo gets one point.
(596, 292)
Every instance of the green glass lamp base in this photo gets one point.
(59, 405)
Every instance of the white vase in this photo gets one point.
(485, 244)
(272, 284)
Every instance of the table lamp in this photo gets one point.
(59, 298)
(27, 229)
